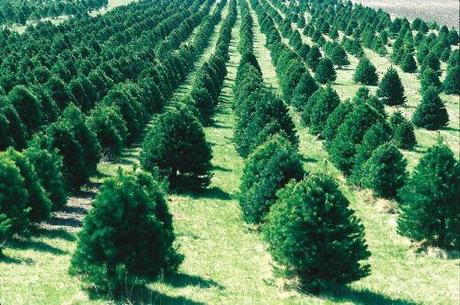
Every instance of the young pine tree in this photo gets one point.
(325, 72)
(431, 113)
(385, 171)
(267, 169)
(37, 199)
(429, 78)
(324, 105)
(313, 57)
(339, 56)
(127, 237)
(429, 201)
(305, 88)
(366, 73)
(331, 236)
(391, 90)
(408, 63)
(403, 131)
(176, 144)
(451, 84)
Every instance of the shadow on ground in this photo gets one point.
(364, 297)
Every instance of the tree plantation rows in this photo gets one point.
(153, 77)
(21, 11)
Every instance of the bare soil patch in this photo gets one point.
(445, 12)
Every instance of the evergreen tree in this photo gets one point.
(408, 63)
(110, 129)
(314, 56)
(267, 169)
(451, 84)
(27, 106)
(376, 135)
(365, 73)
(391, 90)
(204, 102)
(335, 119)
(325, 71)
(429, 201)
(350, 133)
(85, 136)
(403, 131)
(431, 113)
(429, 78)
(262, 115)
(15, 128)
(326, 102)
(176, 144)
(127, 236)
(13, 202)
(385, 171)
(37, 199)
(305, 88)
(431, 61)
(314, 235)
(48, 166)
(339, 56)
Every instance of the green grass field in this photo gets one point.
(226, 261)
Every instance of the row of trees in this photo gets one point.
(174, 152)
(273, 179)
(64, 154)
(22, 11)
(359, 140)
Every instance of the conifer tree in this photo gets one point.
(323, 106)
(385, 171)
(403, 131)
(37, 199)
(305, 88)
(267, 169)
(127, 237)
(429, 201)
(431, 113)
(339, 56)
(365, 73)
(335, 119)
(314, 56)
(390, 89)
(408, 63)
(331, 236)
(376, 135)
(325, 71)
(451, 84)
(429, 78)
(176, 145)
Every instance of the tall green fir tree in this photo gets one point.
(431, 113)
(391, 90)
(429, 209)
(365, 73)
(314, 235)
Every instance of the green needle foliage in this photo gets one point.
(325, 72)
(176, 144)
(304, 89)
(365, 73)
(390, 89)
(313, 234)
(429, 209)
(267, 169)
(385, 171)
(127, 237)
(403, 131)
(431, 113)
(451, 84)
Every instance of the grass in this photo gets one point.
(226, 261)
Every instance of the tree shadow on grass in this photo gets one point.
(220, 168)
(54, 233)
(35, 245)
(211, 193)
(181, 280)
(146, 296)
(308, 159)
(364, 297)
(13, 260)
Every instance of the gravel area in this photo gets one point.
(443, 11)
